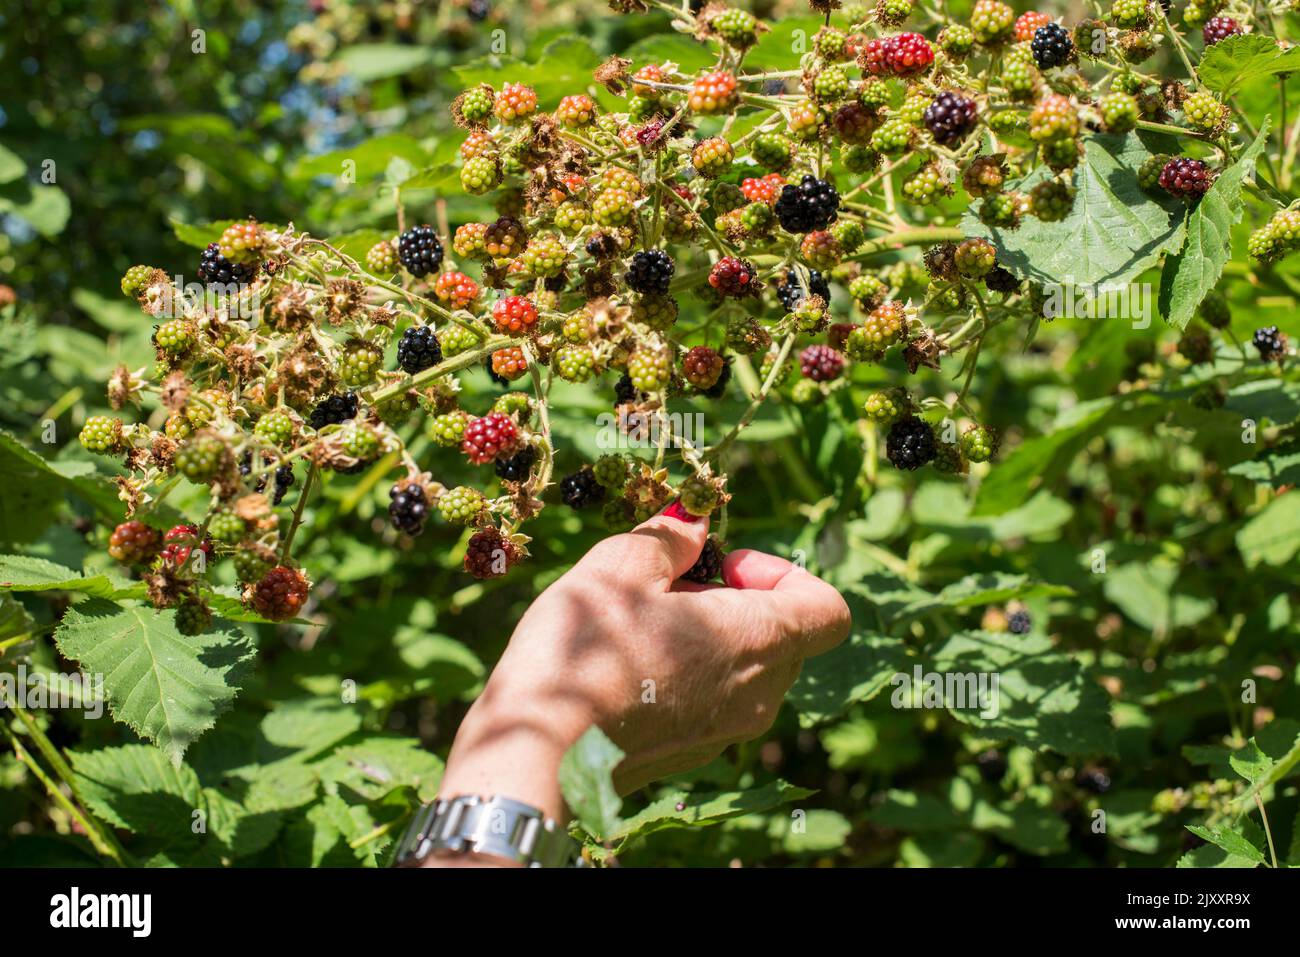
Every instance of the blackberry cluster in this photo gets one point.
(516, 467)
(215, 268)
(910, 443)
(650, 272)
(950, 117)
(708, 566)
(1185, 178)
(821, 363)
(581, 489)
(334, 410)
(418, 349)
(811, 205)
(283, 482)
(1052, 46)
(420, 250)
(408, 508)
(1217, 29)
(791, 292)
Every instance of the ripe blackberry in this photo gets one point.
(811, 205)
(418, 349)
(950, 117)
(580, 489)
(1052, 46)
(283, 482)
(910, 443)
(733, 277)
(488, 437)
(1018, 622)
(420, 250)
(280, 594)
(134, 543)
(708, 566)
(334, 410)
(625, 391)
(797, 285)
(1271, 343)
(216, 269)
(650, 272)
(992, 765)
(516, 468)
(821, 363)
(408, 507)
(1001, 280)
(489, 554)
(1185, 178)
(1219, 28)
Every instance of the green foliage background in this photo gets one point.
(1135, 671)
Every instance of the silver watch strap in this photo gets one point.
(495, 826)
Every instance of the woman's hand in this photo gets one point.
(672, 671)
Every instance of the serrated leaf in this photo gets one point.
(564, 67)
(1271, 755)
(1277, 466)
(1230, 840)
(1208, 855)
(137, 788)
(1272, 537)
(986, 589)
(1114, 231)
(14, 620)
(166, 686)
(587, 780)
(21, 573)
(689, 54)
(699, 810)
(374, 766)
(1190, 274)
(27, 507)
(1230, 64)
(1147, 594)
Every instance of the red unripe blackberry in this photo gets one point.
(515, 315)
(509, 363)
(580, 489)
(281, 593)
(733, 277)
(177, 544)
(874, 57)
(419, 250)
(1027, 24)
(708, 566)
(950, 117)
(766, 189)
(489, 554)
(515, 102)
(650, 272)
(1219, 28)
(1184, 177)
(854, 123)
(134, 543)
(487, 437)
(909, 54)
(702, 366)
(576, 110)
(713, 92)
(821, 363)
(456, 289)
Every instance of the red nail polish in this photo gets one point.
(675, 510)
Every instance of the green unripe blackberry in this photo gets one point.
(448, 429)
(200, 459)
(913, 108)
(948, 459)
(226, 526)
(176, 337)
(136, 280)
(728, 196)
(612, 207)
(746, 335)
(250, 566)
(1215, 309)
(831, 85)
(887, 405)
(381, 259)
(649, 369)
(873, 92)
(1203, 111)
(737, 27)
(359, 362)
(892, 13)
(611, 471)
(570, 217)
(545, 256)
(275, 428)
(454, 339)
(992, 22)
(698, 495)
(946, 297)
(517, 404)
(769, 363)
(362, 443)
(480, 174)
(193, 618)
(956, 41)
(925, 186)
(1060, 155)
(1119, 111)
(657, 312)
(1263, 244)
(860, 159)
(975, 258)
(849, 234)
(831, 45)
(1129, 14)
(476, 104)
(617, 515)
(1019, 75)
(1000, 209)
(978, 444)
(893, 137)
(773, 151)
(809, 314)
(101, 434)
(461, 505)
(807, 392)
(868, 291)
(757, 217)
(1051, 201)
(1149, 172)
(1005, 122)
(574, 363)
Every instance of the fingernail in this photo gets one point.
(675, 510)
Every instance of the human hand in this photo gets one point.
(672, 671)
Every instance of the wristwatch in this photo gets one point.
(494, 826)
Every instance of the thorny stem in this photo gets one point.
(298, 510)
(748, 416)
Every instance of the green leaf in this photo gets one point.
(20, 573)
(1114, 231)
(1277, 466)
(1146, 594)
(166, 686)
(365, 161)
(977, 590)
(1271, 755)
(1271, 399)
(137, 788)
(1208, 855)
(564, 67)
(587, 780)
(14, 620)
(698, 810)
(1273, 535)
(374, 766)
(1229, 839)
(1230, 64)
(11, 165)
(367, 62)
(1193, 272)
(27, 507)
(856, 670)
(45, 208)
(689, 54)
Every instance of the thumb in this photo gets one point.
(678, 540)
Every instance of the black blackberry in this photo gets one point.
(708, 566)
(950, 116)
(910, 443)
(625, 391)
(1019, 622)
(420, 250)
(418, 349)
(650, 272)
(478, 10)
(1052, 46)
(581, 489)
(601, 246)
(334, 410)
(283, 482)
(409, 508)
(791, 291)
(1270, 341)
(811, 205)
(719, 388)
(515, 468)
(1093, 779)
(992, 765)
(215, 268)
(1001, 280)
